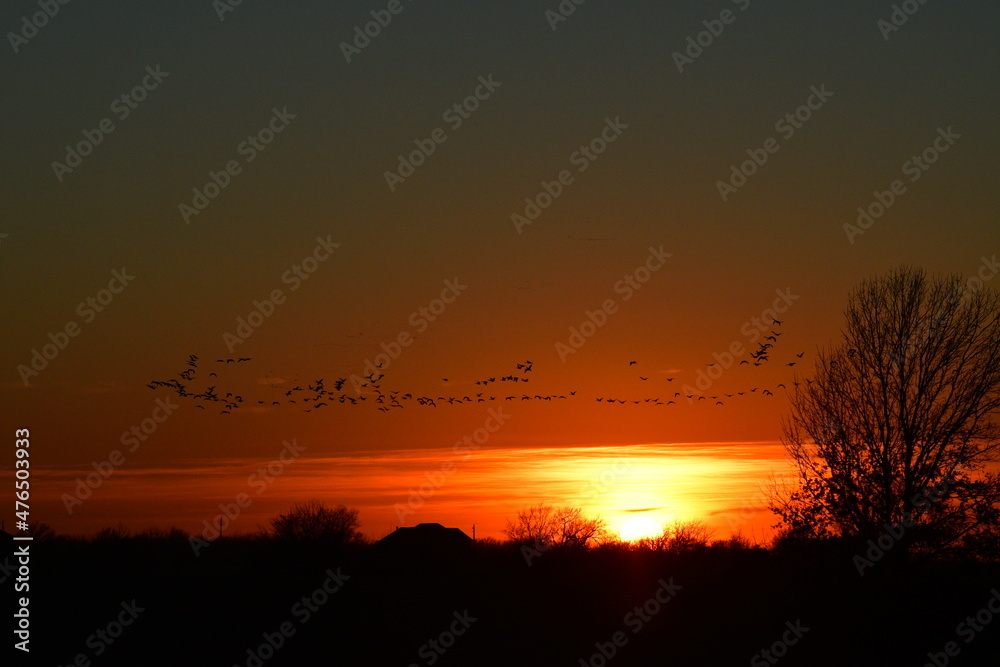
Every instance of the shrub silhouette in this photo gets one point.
(546, 526)
(313, 520)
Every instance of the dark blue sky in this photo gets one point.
(324, 176)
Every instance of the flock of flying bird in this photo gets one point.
(313, 396)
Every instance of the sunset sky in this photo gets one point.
(626, 136)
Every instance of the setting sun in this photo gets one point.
(640, 527)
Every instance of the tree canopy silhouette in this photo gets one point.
(681, 536)
(546, 526)
(896, 431)
(313, 520)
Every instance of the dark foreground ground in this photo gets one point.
(724, 608)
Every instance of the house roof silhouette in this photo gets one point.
(427, 538)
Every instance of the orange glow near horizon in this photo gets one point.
(636, 489)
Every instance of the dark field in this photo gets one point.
(488, 607)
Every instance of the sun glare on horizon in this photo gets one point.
(640, 527)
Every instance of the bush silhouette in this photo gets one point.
(313, 520)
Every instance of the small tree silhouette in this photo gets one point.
(687, 535)
(895, 432)
(313, 520)
(41, 531)
(113, 533)
(678, 536)
(545, 526)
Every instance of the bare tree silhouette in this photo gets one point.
(545, 526)
(313, 520)
(896, 431)
(680, 536)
